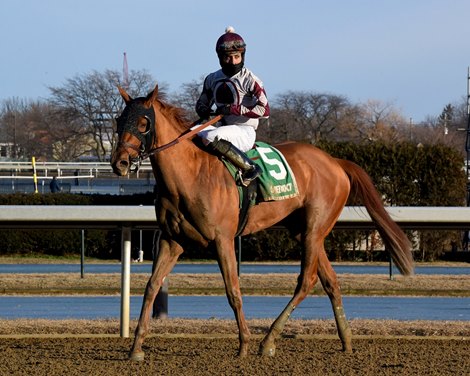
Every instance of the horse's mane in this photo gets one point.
(177, 114)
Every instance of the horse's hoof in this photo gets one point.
(267, 351)
(137, 356)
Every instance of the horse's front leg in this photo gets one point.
(228, 268)
(166, 260)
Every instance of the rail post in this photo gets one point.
(35, 178)
(125, 280)
(82, 256)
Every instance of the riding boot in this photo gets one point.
(250, 170)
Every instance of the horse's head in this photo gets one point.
(136, 132)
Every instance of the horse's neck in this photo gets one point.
(168, 127)
(178, 167)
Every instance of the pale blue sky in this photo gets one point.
(411, 53)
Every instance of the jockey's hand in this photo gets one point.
(204, 112)
(224, 110)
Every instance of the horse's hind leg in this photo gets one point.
(166, 260)
(305, 283)
(330, 284)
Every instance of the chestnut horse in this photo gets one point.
(198, 202)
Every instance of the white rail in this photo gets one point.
(84, 216)
(61, 166)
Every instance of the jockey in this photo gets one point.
(238, 95)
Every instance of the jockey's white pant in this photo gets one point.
(241, 136)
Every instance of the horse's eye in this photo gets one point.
(144, 127)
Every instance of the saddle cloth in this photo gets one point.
(277, 181)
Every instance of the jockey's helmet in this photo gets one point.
(230, 42)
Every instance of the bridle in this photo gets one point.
(132, 114)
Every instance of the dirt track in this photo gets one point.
(216, 356)
(208, 347)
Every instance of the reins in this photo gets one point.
(187, 134)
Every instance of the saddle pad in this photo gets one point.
(277, 182)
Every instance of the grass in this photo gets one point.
(251, 284)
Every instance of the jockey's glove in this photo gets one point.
(224, 110)
(204, 112)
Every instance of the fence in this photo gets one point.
(73, 177)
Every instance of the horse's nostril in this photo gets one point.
(123, 163)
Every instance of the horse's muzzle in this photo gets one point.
(120, 163)
(121, 168)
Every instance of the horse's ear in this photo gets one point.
(127, 98)
(152, 96)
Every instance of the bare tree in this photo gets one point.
(275, 128)
(187, 96)
(25, 128)
(309, 116)
(381, 121)
(91, 103)
(449, 128)
(12, 115)
(348, 125)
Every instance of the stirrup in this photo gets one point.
(248, 176)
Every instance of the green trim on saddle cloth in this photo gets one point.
(277, 182)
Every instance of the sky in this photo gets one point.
(411, 54)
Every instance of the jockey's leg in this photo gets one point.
(250, 170)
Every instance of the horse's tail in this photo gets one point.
(392, 235)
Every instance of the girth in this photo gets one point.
(249, 199)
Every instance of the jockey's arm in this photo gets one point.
(259, 110)
(205, 102)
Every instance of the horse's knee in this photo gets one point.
(235, 299)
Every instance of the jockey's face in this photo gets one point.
(232, 58)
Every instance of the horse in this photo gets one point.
(198, 203)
